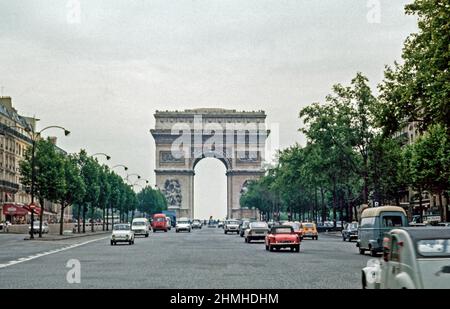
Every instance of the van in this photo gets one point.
(374, 223)
(159, 223)
(140, 226)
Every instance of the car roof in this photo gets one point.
(375, 211)
(418, 233)
(281, 226)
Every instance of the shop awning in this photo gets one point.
(18, 210)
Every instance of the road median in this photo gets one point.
(66, 236)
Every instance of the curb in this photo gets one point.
(67, 237)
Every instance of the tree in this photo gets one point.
(49, 174)
(90, 173)
(419, 89)
(105, 192)
(74, 187)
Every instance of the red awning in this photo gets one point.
(18, 210)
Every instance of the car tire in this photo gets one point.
(130, 242)
(146, 235)
(249, 240)
(317, 237)
(267, 248)
(154, 231)
(165, 231)
(112, 243)
(343, 238)
(297, 248)
(362, 251)
(373, 253)
(271, 248)
(246, 240)
(292, 249)
(176, 231)
(225, 232)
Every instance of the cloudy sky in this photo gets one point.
(103, 72)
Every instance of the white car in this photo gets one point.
(122, 233)
(231, 226)
(413, 258)
(183, 225)
(140, 226)
(45, 227)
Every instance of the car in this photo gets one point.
(350, 231)
(183, 224)
(412, 259)
(256, 231)
(168, 223)
(444, 224)
(309, 230)
(196, 224)
(297, 228)
(231, 226)
(45, 227)
(282, 236)
(220, 224)
(122, 233)
(244, 225)
(140, 226)
(159, 223)
(375, 222)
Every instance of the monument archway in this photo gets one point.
(183, 138)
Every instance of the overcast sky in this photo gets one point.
(102, 74)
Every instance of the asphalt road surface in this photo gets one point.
(205, 258)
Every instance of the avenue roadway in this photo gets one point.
(205, 258)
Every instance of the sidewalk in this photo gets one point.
(51, 237)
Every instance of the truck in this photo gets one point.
(172, 215)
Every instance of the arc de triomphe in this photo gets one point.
(183, 138)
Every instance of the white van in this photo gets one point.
(140, 226)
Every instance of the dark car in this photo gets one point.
(244, 225)
(350, 231)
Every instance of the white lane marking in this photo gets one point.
(38, 255)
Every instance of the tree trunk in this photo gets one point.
(324, 207)
(84, 218)
(92, 218)
(441, 208)
(41, 215)
(420, 206)
(61, 223)
(104, 215)
(79, 218)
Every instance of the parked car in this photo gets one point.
(412, 259)
(231, 226)
(256, 231)
(282, 236)
(350, 231)
(309, 230)
(45, 227)
(244, 225)
(374, 223)
(196, 224)
(183, 224)
(444, 224)
(159, 223)
(140, 226)
(122, 233)
(168, 223)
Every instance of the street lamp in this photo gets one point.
(120, 165)
(101, 154)
(128, 176)
(34, 137)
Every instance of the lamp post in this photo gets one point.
(128, 176)
(120, 165)
(101, 154)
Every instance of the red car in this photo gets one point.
(159, 222)
(282, 236)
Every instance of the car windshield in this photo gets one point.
(353, 226)
(121, 227)
(139, 223)
(390, 221)
(183, 222)
(295, 226)
(282, 230)
(434, 247)
(160, 219)
(258, 225)
(232, 222)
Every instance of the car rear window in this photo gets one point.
(392, 221)
(258, 225)
(309, 225)
(434, 247)
(283, 230)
